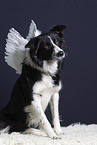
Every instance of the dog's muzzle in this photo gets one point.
(58, 52)
(59, 55)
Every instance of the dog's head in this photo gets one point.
(47, 46)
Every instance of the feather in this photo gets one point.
(33, 31)
(15, 50)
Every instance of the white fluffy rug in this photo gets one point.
(73, 135)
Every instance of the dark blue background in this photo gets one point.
(78, 98)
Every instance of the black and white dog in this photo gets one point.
(38, 59)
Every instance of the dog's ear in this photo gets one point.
(32, 45)
(58, 29)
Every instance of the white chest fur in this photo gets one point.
(50, 66)
(46, 88)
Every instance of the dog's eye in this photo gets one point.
(47, 46)
(57, 42)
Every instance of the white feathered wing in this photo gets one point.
(33, 31)
(15, 51)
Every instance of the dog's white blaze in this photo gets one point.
(56, 48)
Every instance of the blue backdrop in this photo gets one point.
(78, 98)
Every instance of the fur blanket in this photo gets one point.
(73, 135)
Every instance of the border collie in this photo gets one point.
(38, 59)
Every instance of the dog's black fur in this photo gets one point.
(13, 114)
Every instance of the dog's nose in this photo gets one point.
(60, 54)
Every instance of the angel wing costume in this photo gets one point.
(15, 51)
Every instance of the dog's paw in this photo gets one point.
(53, 135)
(56, 137)
(58, 131)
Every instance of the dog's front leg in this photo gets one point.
(42, 119)
(55, 113)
